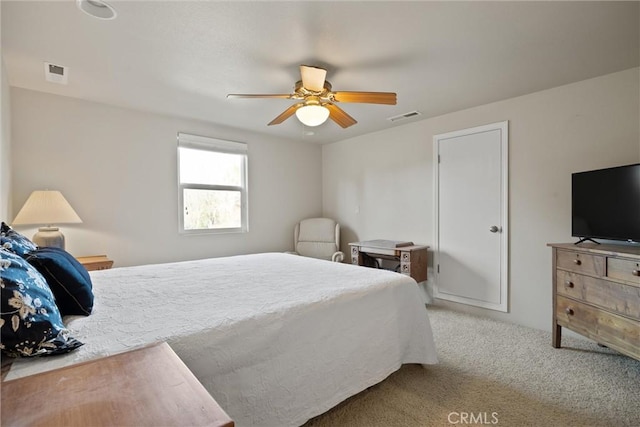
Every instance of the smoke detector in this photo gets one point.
(56, 73)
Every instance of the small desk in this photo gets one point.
(413, 258)
(149, 386)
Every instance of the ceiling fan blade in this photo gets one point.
(388, 98)
(339, 116)
(285, 114)
(245, 95)
(313, 78)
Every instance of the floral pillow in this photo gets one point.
(31, 324)
(14, 241)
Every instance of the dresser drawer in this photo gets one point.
(617, 332)
(622, 299)
(580, 262)
(405, 268)
(624, 269)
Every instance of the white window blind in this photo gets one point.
(212, 184)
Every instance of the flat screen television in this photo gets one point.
(605, 204)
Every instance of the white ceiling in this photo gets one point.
(182, 58)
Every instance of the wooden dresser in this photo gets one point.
(596, 293)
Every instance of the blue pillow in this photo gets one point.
(14, 241)
(31, 324)
(68, 279)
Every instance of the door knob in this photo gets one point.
(494, 229)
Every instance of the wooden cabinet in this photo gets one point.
(149, 386)
(95, 262)
(596, 293)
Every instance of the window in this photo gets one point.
(212, 185)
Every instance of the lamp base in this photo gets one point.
(49, 237)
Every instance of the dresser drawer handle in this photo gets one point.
(577, 262)
(636, 273)
(569, 284)
(569, 311)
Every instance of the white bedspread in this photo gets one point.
(275, 338)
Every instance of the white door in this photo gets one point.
(471, 216)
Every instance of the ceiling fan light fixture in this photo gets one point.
(312, 115)
(318, 100)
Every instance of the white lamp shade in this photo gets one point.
(312, 115)
(46, 207)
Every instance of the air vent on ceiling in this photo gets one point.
(404, 116)
(56, 73)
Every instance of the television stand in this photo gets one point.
(586, 239)
(596, 293)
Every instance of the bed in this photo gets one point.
(275, 338)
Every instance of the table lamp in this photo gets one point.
(47, 207)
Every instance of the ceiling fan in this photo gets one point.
(318, 100)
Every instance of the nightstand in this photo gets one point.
(95, 262)
(149, 386)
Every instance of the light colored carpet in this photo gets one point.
(499, 374)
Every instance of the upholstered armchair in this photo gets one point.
(318, 238)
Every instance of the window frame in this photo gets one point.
(214, 145)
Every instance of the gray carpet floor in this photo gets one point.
(495, 373)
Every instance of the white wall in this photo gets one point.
(380, 185)
(5, 145)
(117, 168)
